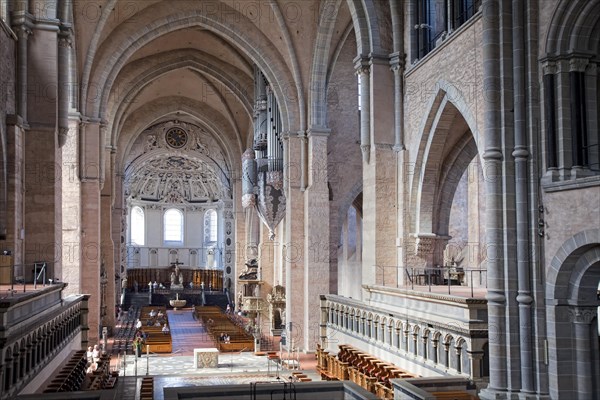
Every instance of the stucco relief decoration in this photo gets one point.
(195, 172)
(176, 179)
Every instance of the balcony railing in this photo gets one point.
(454, 278)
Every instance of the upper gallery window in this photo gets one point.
(138, 226)
(173, 226)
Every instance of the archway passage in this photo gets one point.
(447, 194)
(573, 299)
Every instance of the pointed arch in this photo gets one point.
(449, 142)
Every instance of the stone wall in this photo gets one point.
(11, 149)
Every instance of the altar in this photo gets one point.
(206, 358)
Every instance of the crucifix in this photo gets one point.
(176, 264)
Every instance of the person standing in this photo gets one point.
(137, 345)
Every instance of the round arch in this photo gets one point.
(114, 53)
(572, 317)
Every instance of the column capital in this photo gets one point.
(362, 65)
(581, 315)
(549, 67)
(23, 31)
(318, 131)
(14, 119)
(578, 64)
(22, 22)
(397, 61)
(65, 37)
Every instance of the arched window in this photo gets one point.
(210, 226)
(173, 228)
(138, 226)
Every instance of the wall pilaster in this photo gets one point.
(71, 189)
(316, 245)
(15, 163)
(90, 222)
(380, 182)
(294, 242)
(107, 244)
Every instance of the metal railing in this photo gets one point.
(449, 276)
(19, 281)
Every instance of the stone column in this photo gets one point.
(293, 254)
(91, 222)
(475, 358)
(71, 220)
(23, 31)
(380, 180)
(493, 156)
(474, 229)
(316, 244)
(563, 109)
(15, 154)
(582, 318)
(363, 72)
(106, 229)
(43, 161)
(577, 67)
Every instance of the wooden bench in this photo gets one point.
(158, 341)
(236, 346)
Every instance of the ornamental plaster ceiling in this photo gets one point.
(194, 173)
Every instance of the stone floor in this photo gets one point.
(177, 369)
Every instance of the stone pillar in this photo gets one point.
(563, 109)
(475, 359)
(493, 156)
(582, 318)
(323, 322)
(106, 229)
(363, 72)
(43, 161)
(23, 32)
(15, 154)
(316, 245)
(380, 180)
(293, 254)
(474, 229)
(71, 200)
(91, 223)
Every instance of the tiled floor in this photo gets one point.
(177, 369)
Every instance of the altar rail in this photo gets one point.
(212, 278)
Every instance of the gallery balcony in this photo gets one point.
(433, 324)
